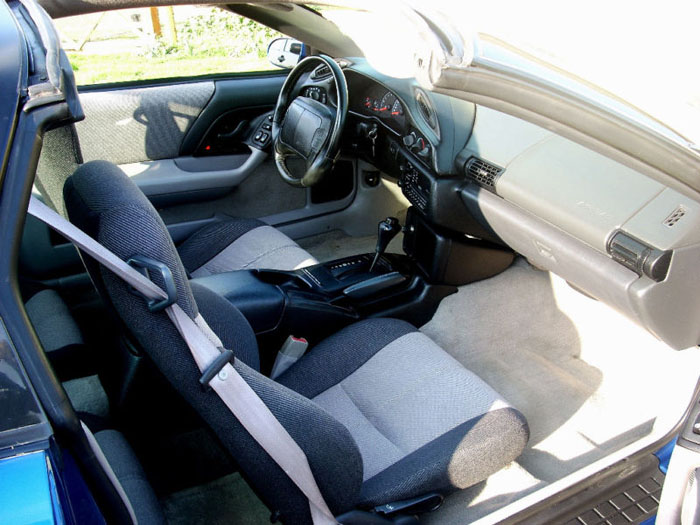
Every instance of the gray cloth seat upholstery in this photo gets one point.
(130, 474)
(420, 419)
(241, 244)
(58, 332)
(381, 412)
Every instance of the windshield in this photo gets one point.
(645, 53)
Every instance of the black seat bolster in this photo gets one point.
(131, 476)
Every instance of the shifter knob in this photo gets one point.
(386, 231)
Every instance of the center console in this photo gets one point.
(317, 301)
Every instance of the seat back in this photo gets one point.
(106, 204)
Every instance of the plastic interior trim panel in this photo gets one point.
(166, 177)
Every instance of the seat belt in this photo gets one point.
(207, 351)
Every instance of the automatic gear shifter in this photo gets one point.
(386, 231)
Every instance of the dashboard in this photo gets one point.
(617, 234)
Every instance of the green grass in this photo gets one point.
(119, 46)
(124, 67)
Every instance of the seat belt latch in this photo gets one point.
(146, 265)
(210, 372)
(292, 349)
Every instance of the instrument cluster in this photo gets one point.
(379, 102)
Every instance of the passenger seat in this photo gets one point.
(127, 475)
(63, 343)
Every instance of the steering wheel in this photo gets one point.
(306, 128)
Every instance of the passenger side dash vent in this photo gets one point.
(484, 173)
(675, 216)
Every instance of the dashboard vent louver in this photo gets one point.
(675, 216)
(321, 72)
(426, 110)
(325, 72)
(482, 172)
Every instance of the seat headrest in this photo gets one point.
(105, 203)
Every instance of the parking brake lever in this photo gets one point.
(386, 231)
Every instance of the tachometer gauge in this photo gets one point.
(397, 109)
(387, 103)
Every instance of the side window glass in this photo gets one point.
(163, 42)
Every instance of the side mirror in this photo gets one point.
(285, 52)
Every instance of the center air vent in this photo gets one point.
(482, 172)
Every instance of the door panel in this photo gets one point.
(139, 124)
(188, 147)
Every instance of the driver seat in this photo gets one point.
(241, 244)
(223, 246)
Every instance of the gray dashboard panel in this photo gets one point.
(656, 225)
(582, 192)
(547, 246)
(558, 203)
(499, 138)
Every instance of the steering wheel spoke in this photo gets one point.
(306, 128)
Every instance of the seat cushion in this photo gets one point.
(241, 244)
(58, 333)
(128, 471)
(423, 422)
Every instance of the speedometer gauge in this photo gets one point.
(397, 109)
(387, 103)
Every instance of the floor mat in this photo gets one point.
(87, 395)
(227, 500)
(579, 371)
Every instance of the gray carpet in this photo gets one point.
(578, 370)
(227, 500)
(87, 395)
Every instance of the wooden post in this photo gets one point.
(172, 31)
(155, 22)
(86, 38)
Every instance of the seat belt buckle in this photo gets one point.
(292, 349)
(145, 265)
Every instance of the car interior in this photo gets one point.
(484, 307)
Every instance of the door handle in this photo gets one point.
(233, 135)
